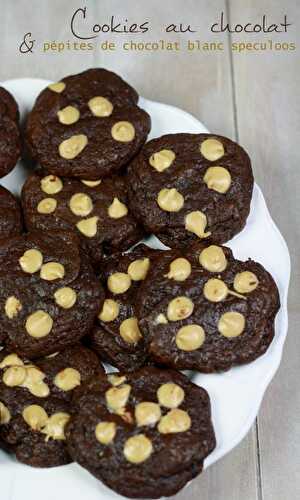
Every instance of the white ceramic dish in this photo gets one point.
(236, 395)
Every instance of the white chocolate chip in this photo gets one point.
(116, 379)
(31, 261)
(170, 395)
(123, 131)
(117, 397)
(67, 379)
(14, 376)
(100, 106)
(175, 421)
(12, 307)
(162, 160)
(72, 147)
(117, 209)
(129, 331)
(91, 183)
(81, 204)
(110, 311)
(54, 428)
(52, 271)
(147, 413)
(119, 283)
(68, 115)
(65, 297)
(196, 222)
(105, 432)
(53, 355)
(218, 179)
(190, 337)
(51, 184)
(212, 149)
(213, 259)
(39, 324)
(180, 269)
(231, 324)
(57, 87)
(47, 206)
(161, 319)
(245, 282)
(138, 269)
(11, 360)
(180, 308)
(34, 382)
(170, 200)
(235, 294)
(137, 449)
(5, 415)
(28, 376)
(215, 290)
(35, 416)
(88, 227)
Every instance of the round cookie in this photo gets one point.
(56, 375)
(10, 141)
(220, 313)
(87, 126)
(116, 337)
(34, 429)
(144, 434)
(49, 295)
(186, 187)
(28, 390)
(10, 214)
(97, 211)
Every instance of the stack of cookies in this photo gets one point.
(79, 286)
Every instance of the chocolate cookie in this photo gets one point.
(116, 337)
(88, 125)
(10, 214)
(35, 403)
(33, 429)
(183, 187)
(143, 434)
(96, 210)
(3, 338)
(49, 295)
(203, 309)
(10, 141)
(68, 369)
(56, 375)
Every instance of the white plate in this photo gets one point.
(235, 395)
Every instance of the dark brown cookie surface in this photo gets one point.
(33, 429)
(143, 434)
(186, 187)
(10, 214)
(88, 125)
(116, 337)
(98, 211)
(49, 294)
(56, 375)
(34, 403)
(10, 142)
(203, 309)
(68, 369)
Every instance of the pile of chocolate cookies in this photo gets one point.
(79, 286)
